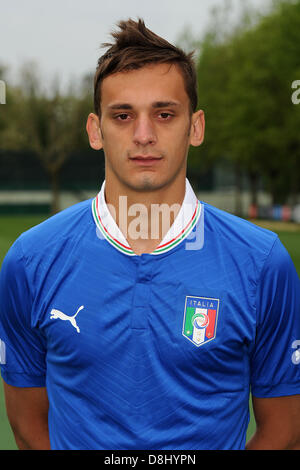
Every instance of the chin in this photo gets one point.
(147, 183)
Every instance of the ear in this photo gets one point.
(94, 132)
(197, 128)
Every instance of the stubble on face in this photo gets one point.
(146, 180)
(166, 84)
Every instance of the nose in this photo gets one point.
(144, 131)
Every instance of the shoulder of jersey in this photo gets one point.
(67, 223)
(237, 231)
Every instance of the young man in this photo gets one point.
(140, 319)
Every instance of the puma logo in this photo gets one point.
(62, 316)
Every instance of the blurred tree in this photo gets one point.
(53, 126)
(215, 69)
(245, 83)
(216, 66)
(264, 119)
(11, 116)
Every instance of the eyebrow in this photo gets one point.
(155, 105)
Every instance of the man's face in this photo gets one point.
(146, 127)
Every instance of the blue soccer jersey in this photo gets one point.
(158, 351)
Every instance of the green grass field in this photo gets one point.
(12, 227)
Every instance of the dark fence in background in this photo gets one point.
(25, 185)
(24, 171)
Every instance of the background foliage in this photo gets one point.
(245, 76)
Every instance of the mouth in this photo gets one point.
(145, 160)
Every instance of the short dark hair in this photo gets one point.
(136, 46)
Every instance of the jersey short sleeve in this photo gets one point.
(22, 346)
(274, 372)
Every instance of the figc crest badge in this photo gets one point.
(200, 319)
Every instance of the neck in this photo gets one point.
(144, 217)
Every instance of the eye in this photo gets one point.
(165, 116)
(122, 117)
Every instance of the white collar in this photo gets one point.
(184, 223)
